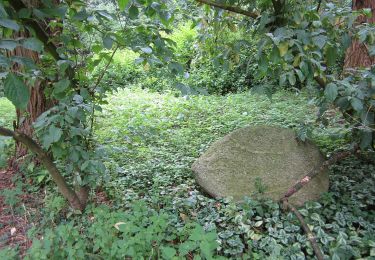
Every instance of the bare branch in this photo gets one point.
(230, 8)
(306, 229)
(48, 163)
(313, 173)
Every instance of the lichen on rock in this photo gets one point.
(264, 159)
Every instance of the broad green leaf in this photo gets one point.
(105, 14)
(292, 78)
(304, 68)
(24, 13)
(33, 44)
(331, 54)
(146, 50)
(60, 86)
(320, 41)
(275, 55)
(133, 12)
(282, 79)
(331, 92)
(107, 42)
(366, 139)
(346, 40)
(16, 91)
(283, 48)
(371, 50)
(168, 252)
(122, 4)
(342, 103)
(300, 75)
(53, 135)
(7, 23)
(3, 13)
(357, 104)
(176, 68)
(4, 62)
(8, 44)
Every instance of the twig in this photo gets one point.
(105, 68)
(230, 8)
(318, 7)
(96, 85)
(306, 229)
(314, 172)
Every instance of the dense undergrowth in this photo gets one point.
(158, 211)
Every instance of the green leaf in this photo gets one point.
(7, 23)
(357, 104)
(304, 68)
(342, 103)
(107, 42)
(331, 54)
(133, 12)
(371, 50)
(366, 139)
(4, 62)
(300, 75)
(168, 252)
(206, 249)
(122, 4)
(292, 78)
(176, 68)
(33, 44)
(282, 79)
(8, 44)
(331, 92)
(275, 55)
(60, 86)
(54, 134)
(16, 91)
(283, 48)
(186, 247)
(320, 41)
(146, 50)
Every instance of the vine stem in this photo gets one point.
(310, 235)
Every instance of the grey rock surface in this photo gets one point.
(266, 155)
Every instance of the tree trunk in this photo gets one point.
(357, 55)
(38, 102)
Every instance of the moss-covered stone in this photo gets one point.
(251, 158)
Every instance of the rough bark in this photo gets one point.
(38, 102)
(357, 55)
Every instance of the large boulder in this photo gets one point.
(265, 159)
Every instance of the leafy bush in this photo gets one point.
(215, 77)
(138, 233)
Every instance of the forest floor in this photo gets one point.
(150, 141)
